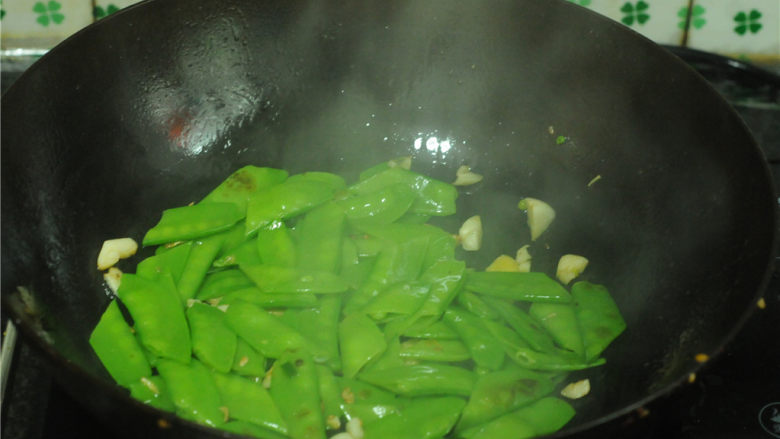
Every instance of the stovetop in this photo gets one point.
(735, 396)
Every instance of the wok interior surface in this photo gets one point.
(151, 108)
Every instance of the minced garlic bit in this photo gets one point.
(702, 358)
(691, 377)
(504, 263)
(215, 301)
(577, 389)
(347, 395)
(594, 179)
(333, 422)
(551, 129)
(223, 308)
(113, 278)
(355, 428)
(470, 234)
(267, 378)
(191, 302)
(150, 385)
(226, 412)
(523, 259)
(115, 249)
(173, 244)
(569, 267)
(540, 215)
(464, 177)
(401, 162)
(761, 303)
(243, 361)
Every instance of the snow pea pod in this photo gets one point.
(435, 350)
(497, 393)
(213, 343)
(421, 418)
(398, 299)
(484, 349)
(220, 283)
(476, 305)
(353, 270)
(245, 253)
(264, 332)
(159, 318)
(430, 327)
(360, 341)
(544, 416)
(319, 238)
(526, 326)
(244, 183)
(272, 279)
(172, 261)
(561, 322)
(270, 300)
(193, 222)
(193, 391)
(330, 395)
(295, 390)
(199, 261)
(445, 278)
(286, 200)
(247, 400)
(381, 207)
(153, 391)
(598, 316)
(329, 180)
(319, 324)
(248, 361)
(275, 246)
(118, 349)
(249, 429)
(422, 380)
(531, 286)
(367, 245)
(434, 197)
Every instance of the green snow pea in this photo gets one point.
(360, 341)
(531, 286)
(368, 403)
(330, 395)
(272, 279)
(295, 390)
(402, 298)
(353, 270)
(192, 222)
(286, 200)
(560, 321)
(118, 349)
(193, 391)
(445, 278)
(526, 326)
(319, 325)
(264, 332)
(367, 245)
(598, 316)
(248, 401)
(413, 218)
(249, 429)
(199, 261)
(484, 349)
(153, 391)
(391, 358)
(248, 361)
(244, 183)
(435, 350)
(220, 283)
(172, 261)
(212, 341)
(434, 197)
(497, 393)
(158, 316)
(245, 253)
(421, 418)
(381, 207)
(233, 238)
(332, 181)
(275, 246)
(544, 416)
(319, 238)
(270, 300)
(430, 327)
(476, 305)
(422, 380)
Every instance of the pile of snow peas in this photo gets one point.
(286, 306)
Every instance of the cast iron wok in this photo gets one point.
(151, 107)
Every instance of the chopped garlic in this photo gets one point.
(333, 422)
(215, 301)
(523, 259)
(115, 249)
(150, 385)
(191, 302)
(355, 428)
(347, 395)
(243, 361)
(113, 278)
(401, 162)
(503, 263)
(569, 267)
(470, 234)
(540, 215)
(223, 308)
(464, 177)
(577, 389)
(225, 412)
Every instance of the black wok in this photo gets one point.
(149, 108)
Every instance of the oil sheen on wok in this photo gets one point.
(302, 306)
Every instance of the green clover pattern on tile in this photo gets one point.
(48, 13)
(635, 13)
(99, 12)
(581, 2)
(2, 11)
(748, 22)
(697, 16)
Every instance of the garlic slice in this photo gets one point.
(115, 249)
(464, 177)
(503, 263)
(113, 278)
(523, 259)
(401, 162)
(569, 267)
(540, 215)
(577, 389)
(470, 234)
